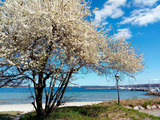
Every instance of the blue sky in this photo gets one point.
(138, 21)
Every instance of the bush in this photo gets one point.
(158, 102)
(146, 103)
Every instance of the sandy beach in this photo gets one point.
(29, 107)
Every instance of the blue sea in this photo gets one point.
(22, 95)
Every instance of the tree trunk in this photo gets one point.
(39, 96)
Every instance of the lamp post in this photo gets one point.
(117, 79)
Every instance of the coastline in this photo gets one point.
(25, 108)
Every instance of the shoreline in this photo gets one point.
(25, 108)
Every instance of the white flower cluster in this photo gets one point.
(39, 33)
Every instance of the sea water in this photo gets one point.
(72, 94)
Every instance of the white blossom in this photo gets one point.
(33, 30)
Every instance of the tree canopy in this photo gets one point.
(47, 41)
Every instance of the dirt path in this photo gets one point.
(155, 112)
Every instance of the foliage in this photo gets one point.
(158, 102)
(146, 103)
(46, 42)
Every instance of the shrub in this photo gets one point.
(146, 103)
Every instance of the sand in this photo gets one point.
(29, 107)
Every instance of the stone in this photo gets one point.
(128, 107)
(153, 106)
(148, 107)
(140, 107)
(136, 108)
(158, 106)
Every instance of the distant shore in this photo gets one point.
(153, 93)
(95, 88)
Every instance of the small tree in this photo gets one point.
(47, 41)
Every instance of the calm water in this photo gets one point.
(22, 95)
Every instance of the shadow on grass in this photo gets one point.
(7, 116)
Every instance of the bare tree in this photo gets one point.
(46, 42)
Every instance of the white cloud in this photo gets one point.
(105, 23)
(145, 2)
(143, 16)
(123, 33)
(155, 79)
(112, 8)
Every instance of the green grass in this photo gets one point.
(8, 115)
(158, 102)
(146, 103)
(94, 112)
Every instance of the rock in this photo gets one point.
(136, 108)
(128, 107)
(153, 106)
(153, 93)
(140, 107)
(148, 107)
(158, 106)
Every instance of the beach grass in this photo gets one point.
(135, 102)
(102, 111)
(9, 115)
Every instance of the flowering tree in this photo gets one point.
(46, 42)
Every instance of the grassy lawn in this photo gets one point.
(8, 115)
(103, 111)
